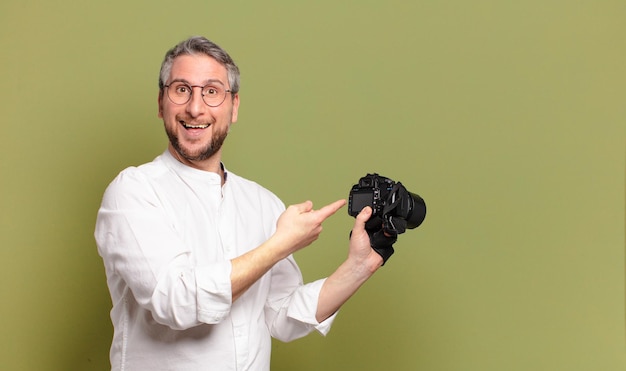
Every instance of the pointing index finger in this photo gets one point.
(331, 208)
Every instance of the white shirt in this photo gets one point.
(166, 233)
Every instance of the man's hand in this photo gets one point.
(361, 253)
(300, 224)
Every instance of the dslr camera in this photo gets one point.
(394, 210)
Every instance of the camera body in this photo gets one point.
(389, 201)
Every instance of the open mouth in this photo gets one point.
(190, 126)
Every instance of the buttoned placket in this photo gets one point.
(228, 234)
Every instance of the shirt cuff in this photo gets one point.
(304, 307)
(214, 292)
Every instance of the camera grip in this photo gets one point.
(382, 244)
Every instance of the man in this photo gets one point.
(199, 260)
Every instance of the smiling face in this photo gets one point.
(197, 131)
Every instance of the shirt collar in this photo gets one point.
(188, 171)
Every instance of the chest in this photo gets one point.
(217, 224)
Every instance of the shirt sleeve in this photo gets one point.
(291, 309)
(143, 252)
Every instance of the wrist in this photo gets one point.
(364, 267)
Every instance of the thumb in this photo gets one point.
(363, 217)
(303, 207)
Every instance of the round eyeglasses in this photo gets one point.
(180, 93)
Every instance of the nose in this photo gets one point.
(196, 106)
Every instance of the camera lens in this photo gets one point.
(417, 211)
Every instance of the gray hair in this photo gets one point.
(200, 45)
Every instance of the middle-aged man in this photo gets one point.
(199, 260)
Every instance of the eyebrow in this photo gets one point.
(206, 82)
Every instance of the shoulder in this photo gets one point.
(135, 183)
(253, 191)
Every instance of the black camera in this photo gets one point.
(394, 210)
(386, 198)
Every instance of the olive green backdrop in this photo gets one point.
(508, 117)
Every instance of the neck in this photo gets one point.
(212, 164)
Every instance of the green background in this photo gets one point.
(508, 117)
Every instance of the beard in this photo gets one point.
(211, 148)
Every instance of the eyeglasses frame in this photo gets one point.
(166, 88)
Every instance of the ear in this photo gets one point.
(235, 112)
(160, 103)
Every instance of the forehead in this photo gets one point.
(197, 68)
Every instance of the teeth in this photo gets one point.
(195, 126)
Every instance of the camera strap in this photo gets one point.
(393, 225)
(382, 243)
